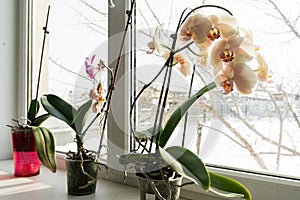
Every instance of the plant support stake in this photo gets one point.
(42, 54)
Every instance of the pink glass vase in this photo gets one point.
(26, 161)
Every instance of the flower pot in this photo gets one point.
(26, 161)
(161, 185)
(81, 176)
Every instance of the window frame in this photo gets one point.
(24, 57)
(261, 186)
(118, 140)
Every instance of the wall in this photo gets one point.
(8, 72)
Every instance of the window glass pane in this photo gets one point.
(257, 132)
(77, 39)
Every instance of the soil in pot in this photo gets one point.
(81, 176)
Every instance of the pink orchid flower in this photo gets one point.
(89, 68)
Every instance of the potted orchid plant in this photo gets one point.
(82, 165)
(85, 162)
(226, 50)
(82, 170)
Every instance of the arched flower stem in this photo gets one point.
(137, 97)
(182, 19)
(166, 82)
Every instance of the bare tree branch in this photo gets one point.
(247, 145)
(154, 15)
(280, 135)
(225, 134)
(93, 8)
(274, 153)
(68, 70)
(89, 23)
(285, 19)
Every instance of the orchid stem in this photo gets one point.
(42, 54)
(114, 76)
(186, 115)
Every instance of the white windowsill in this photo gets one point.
(262, 187)
(52, 186)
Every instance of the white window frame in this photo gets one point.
(12, 46)
(23, 58)
(117, 137)
(261, 186)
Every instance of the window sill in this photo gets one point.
(53, 186)
(49, 186)
(262, 187)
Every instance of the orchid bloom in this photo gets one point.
(245, 32)
(223, 25)
(204, 30)
(263, 68)
(89, 68)
(154, 44)
(184, 66)
(237, 49)
(97, 95)
(239, 74)
(196, 27)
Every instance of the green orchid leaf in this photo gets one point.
(33, 109)
(39, 120)
(59, 108)
(180, 112)
(45, 147)
(82, 115)
(228, 187)
(187, 164)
